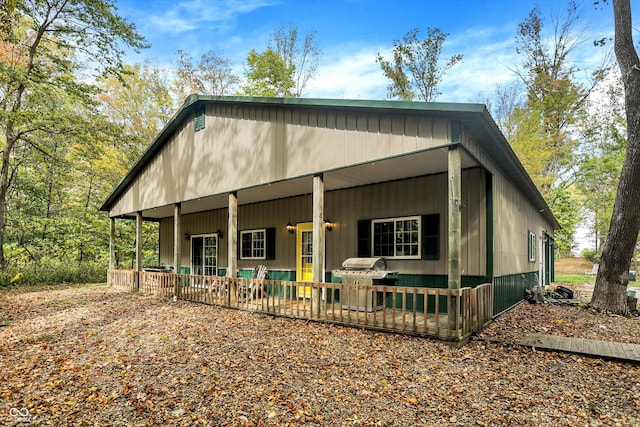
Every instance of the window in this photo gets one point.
(396, 237)
(252, 244)
(198, 118)
(414, 237)
(204, 255)
(257, 244)
(532, 247)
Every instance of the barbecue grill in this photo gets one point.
(366, 272)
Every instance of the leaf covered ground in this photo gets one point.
(98, 357)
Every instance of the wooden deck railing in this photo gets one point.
(451, 314)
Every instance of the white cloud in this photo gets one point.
(191, 15)
(350, 73)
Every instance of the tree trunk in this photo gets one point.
(613, 276)
(4, 187)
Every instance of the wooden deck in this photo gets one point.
(626, 352)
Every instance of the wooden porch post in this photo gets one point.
(177, 237)
(454, 221)
(138, 247)
(112, 243)
(318, 240)
(177, 245)
(232, 245)
(454, 225)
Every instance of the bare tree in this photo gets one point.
(213, 75)
(415, 70)
(301, 54)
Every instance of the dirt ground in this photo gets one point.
(98, 357)
(573, 265)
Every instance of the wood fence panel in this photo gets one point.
(394, 308)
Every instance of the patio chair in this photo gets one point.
(593, 271)
(258, 290)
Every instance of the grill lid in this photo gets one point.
(373, 268)
(375, 263)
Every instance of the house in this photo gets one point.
(299, 185)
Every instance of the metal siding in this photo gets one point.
(513, 216)
(410, 142)
(415, 196)
(509, 290)
(473, 223)
(166, 241)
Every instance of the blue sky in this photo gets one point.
(352, 32)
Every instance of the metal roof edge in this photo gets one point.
(342, 103)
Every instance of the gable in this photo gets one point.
(250, 145)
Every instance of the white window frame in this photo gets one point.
(204, 265)
(418, 218)
(531, 244)
(264, 243)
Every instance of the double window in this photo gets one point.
(396, 237)
(411, 237)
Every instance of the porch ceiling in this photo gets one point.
(408, 166)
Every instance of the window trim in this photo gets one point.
(264, 241)
(531, 246)
(395, 220)
(216, 257)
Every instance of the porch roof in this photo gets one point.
(473, 117)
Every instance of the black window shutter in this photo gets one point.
(364, 238)
(239, 246)
(431, 236)
(270, 243)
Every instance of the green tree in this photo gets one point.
(267, 74)
(415, 70)
(140, 100)
(611, 282)
(44, 50)
(302, 55)
(603, 152)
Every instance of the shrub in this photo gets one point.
(54, 273)
(590, 255)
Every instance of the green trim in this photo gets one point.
(456, 132)
(198, 118)
(473, 281)
(489, 225)
(341, 103)
(282, 275)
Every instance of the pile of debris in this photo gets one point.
(560, 295)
